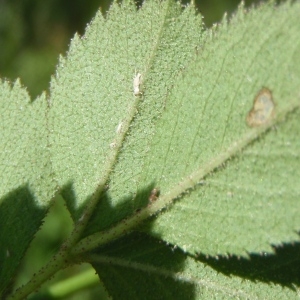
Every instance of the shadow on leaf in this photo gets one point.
(282, 267)
(138, 266)
(106, 214)
(20, 219)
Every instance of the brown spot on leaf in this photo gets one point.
(263, 109)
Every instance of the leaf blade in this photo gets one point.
(146, 37)
(26, 185)
(226, 103)
(146, 267)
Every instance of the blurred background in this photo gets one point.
(33, 33)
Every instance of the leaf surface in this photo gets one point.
(101, 131)
(26, 187)
(139, 266)
(189, 133)
(164, 118)
(240, 184)
(234, 182)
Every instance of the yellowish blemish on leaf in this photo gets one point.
(263, 109)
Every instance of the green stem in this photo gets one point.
(58, 262)
(69, 286)
(73, 284)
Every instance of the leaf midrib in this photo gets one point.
(119, 139)
(189, 182)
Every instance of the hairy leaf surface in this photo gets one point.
(102, 132)
(240, 183)
(139, 266)
(26, 187)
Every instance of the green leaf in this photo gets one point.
(200, 136)
(256, 199)
(181, 132)
(150, 115)
(138, 267)
(101, 132)
(252, 200)
(231, 167)
(25, 185)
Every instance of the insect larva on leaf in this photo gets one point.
(136, 84)
(154, 195)
(119, 128)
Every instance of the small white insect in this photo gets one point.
(136, 84)
(119, 128)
